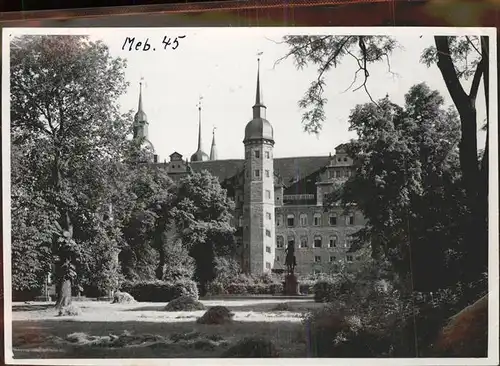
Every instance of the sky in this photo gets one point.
(221, 66)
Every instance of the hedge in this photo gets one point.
(160, 291)
(217, 288)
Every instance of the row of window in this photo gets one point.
(332, 258)
(256, 154)
(333, 241)
(317, 220)
(256, 173)
(339, 173)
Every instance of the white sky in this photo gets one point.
(221, 66)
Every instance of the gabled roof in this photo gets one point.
(175, 154)
(289, 169)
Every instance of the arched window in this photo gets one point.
(332, 243)
(303, 242)
(317, 241)
(280, 241)
(317, 219)
(303, 219)
(290, 220)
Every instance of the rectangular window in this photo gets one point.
(267, 173)
(333, 258)
(268, 215)
(317, 259)
(247, 154)
(268, 265)
(290, 222)
(337, 174)
(268, 249)
(267, 154)
(279, 220)
(351, 219)
(268, 232)
(257, 154)
(277, 258)
(268, 194)
(257, 173)
(317, 242)
(349, 258)
(333, 220)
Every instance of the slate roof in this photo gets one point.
(289, 169)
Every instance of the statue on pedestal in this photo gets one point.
(290, 260)
(291, 285)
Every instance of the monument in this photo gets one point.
(291, 285)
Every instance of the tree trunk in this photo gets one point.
(64, 293)
(476, 239)
(161, 265)
(466, 107)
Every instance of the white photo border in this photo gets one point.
(493, 270)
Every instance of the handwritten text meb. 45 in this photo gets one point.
(135, 44)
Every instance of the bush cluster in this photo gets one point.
(184, 303)
(160, 291)
(246, 285)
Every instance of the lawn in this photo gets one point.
(145, 330)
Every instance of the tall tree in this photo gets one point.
(457, 58)
(409, 187)
(65, 118)
(202, 214)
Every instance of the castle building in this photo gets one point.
(278, 201)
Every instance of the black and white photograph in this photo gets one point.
(250, 193)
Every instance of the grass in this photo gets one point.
(145, 330)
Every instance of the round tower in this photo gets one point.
(258, 208)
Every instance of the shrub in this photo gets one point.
(123, 298)
(160, 291)
(216, 315)
(324, 291)
(275, 288)
(237, 289)
(252, 347)
(184, 303)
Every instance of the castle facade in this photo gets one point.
(278, 201)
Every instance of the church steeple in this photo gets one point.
(199, 126)
(140, 119)
(213, 150)
(199, 155)
(259, 109)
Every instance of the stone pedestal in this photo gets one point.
(291, 286)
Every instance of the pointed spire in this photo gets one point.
(213, 150)
(259, 109)
(199, 124)
(139, 108)
(199, 155)
(140, 118)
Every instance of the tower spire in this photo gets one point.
(140, 118)
(139, 108)
(199, 124)
(213, 150)
(259, 109)
(199, 155)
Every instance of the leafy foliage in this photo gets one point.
(67, 134)
(327, 52)
(408, 186)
